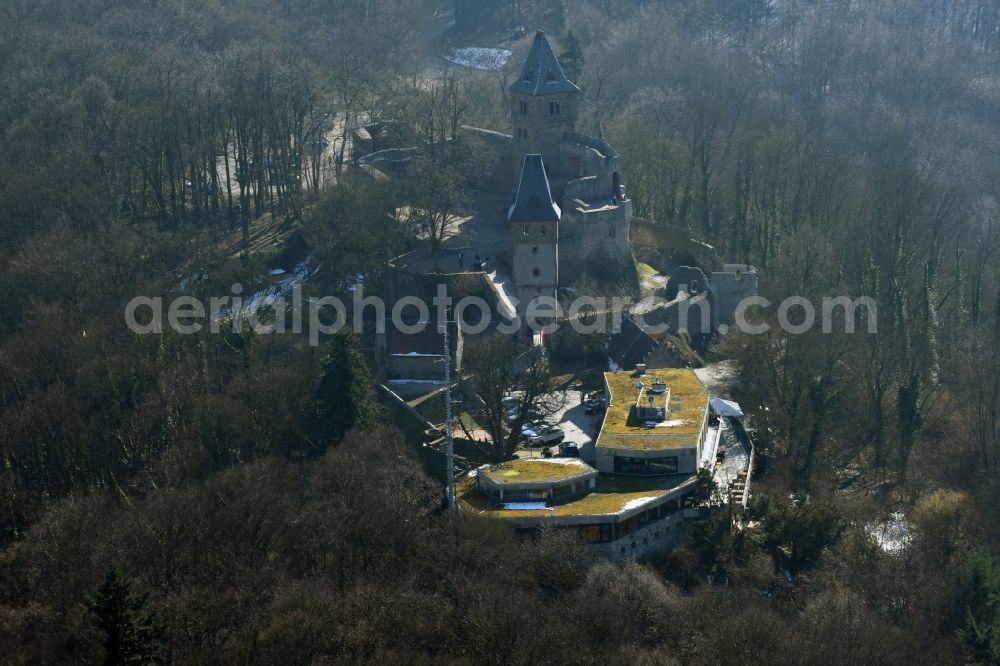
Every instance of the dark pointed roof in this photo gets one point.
(542, 74)
(533, 199)
(630, 345)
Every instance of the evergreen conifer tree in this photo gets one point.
(134, 634)
(345, 397)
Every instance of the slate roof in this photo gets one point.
(630, 345)
(424, 342)
(533, 199)
(542, 74)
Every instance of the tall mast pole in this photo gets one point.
(450, 447)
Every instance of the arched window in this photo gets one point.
(611, 232)
(541, 230)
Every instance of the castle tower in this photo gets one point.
(543, 105)
(534, 229)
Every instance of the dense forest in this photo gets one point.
(241, 498)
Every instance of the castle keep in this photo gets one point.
(568, 212)
(591, 225)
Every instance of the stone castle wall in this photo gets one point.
(585, 156)
(661, 245)
(494, 172)
(593, 240)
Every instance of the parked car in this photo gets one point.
(512, 408)
(569, 450)
(530, 434)
(540, 432)
(549, 434)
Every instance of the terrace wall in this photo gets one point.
(645, 541)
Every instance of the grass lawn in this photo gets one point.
(646, 269)
(470, 422)
(538, 469)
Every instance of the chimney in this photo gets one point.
(640, 369)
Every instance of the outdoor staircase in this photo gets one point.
(737, 488)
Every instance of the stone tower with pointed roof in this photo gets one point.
(580, 173)
(543, 106)
(533, 219)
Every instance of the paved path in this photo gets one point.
(581, 428)
(717, 377)
(503, 287)
(482, 233)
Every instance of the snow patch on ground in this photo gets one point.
(636, 503)
(280, 289)
(891, 535)
(576, 462)
(718, 377)
(480, 58)
(670, 424)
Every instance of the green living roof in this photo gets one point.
(536, 470)
(687, 408)
(614, 494)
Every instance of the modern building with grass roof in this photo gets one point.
(536, 480)
(655, 435)
(656, 423)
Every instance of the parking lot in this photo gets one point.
(580, 428)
